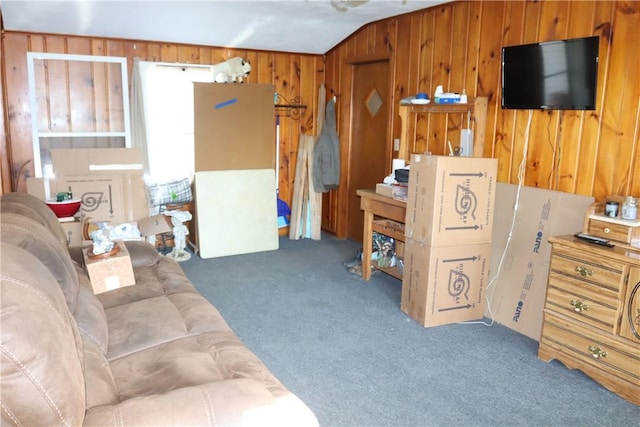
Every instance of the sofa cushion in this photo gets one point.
(92, 324)
(238, 402)
(30, 206)
(151, 322)
(41, 367)
(163, 278)
(89, 314)
(187, 362)
(36, 239)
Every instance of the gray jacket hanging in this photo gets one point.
(326, 155)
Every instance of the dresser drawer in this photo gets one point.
(605, 352)
(614, 230)
(570, 300)
(602, 276)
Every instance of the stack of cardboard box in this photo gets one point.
(108, 181)
(448, 229)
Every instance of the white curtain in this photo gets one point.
(162, 117)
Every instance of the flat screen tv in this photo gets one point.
(555, 75)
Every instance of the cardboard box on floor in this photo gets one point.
(517, 294)
(109, 181)
(450, 199)
(444, 284)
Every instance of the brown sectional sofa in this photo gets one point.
(156, 353)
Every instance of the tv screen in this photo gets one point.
(556, 75)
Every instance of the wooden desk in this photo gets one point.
(390, 215)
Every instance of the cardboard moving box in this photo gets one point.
(450, 199)
(108, 198)
(445, 284)
(109, 181)
(111, 272)
(517, 295)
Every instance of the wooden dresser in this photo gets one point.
(592, 313)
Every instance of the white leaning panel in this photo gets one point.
(236, 212)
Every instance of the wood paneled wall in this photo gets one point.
(293, 75)
(458, 45)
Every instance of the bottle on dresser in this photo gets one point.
(629, 208)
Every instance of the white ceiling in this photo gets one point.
(304, 26)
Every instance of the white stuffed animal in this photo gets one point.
(231, 71)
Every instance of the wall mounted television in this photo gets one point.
(555, 75)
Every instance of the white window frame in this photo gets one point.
(37, 134)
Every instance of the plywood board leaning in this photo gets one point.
(236, 212)
(315, 199)
(299, 186)
(234, 126)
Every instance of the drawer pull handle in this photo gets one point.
(584, 271)
(579, 306)
(596, 352)
(607, 230)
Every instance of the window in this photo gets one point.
(168, 125)
(77, 101)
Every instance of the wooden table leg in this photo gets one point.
(367, 242)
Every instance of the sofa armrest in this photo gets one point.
(238, 402)
(142, 253)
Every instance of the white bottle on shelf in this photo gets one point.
(463, 97)
(629, 208)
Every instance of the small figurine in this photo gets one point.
(102, 244)
(180, 232)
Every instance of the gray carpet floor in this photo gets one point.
(347, 350)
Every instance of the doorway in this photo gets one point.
(370, 101)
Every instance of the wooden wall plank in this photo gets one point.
(344, 72)
(361, 42)
(572, 124)
(403, 66)
(508, 16)
(81, 103)
(18, 108)
(5, 154)
(614, 168)
(542, 149)
(473, 48)
(441, 74)
(424, 79)
(330, 203)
